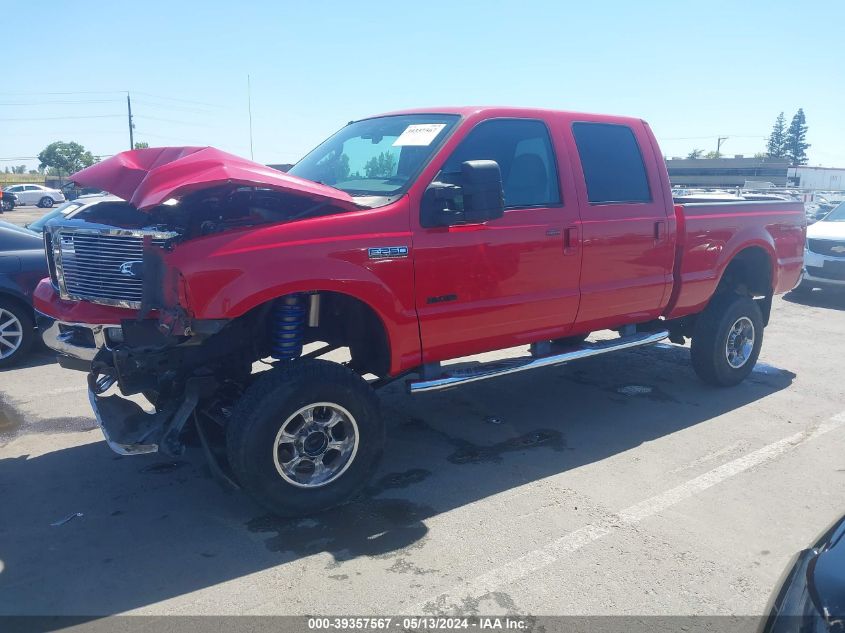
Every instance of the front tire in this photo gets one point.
(305, 437)
(16, 332)
(726, 340)
(46, 202)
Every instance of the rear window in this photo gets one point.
(613, 165)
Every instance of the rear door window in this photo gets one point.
(613, 165)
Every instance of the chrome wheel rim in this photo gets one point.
(315, 445)
(11, 333)
(740, 342)
(48, 202)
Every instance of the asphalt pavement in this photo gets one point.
(614, 485)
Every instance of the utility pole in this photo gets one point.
(249, 107)
(131, 125)
(719, 144)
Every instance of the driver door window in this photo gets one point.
(523, 150)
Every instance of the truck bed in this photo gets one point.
(710, 235)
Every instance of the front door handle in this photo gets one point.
(659, 231)
(570, 240)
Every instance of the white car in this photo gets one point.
(36, 194)
(824, 252)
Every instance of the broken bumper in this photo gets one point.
(77, 341)
(77, 330)
(128, 429)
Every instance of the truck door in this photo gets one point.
(626, 269)
(511, 280)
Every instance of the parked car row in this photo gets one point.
(824, 252)
(8, 200)
(22, 265)
(39, 195)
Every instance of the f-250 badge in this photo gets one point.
(382, 252)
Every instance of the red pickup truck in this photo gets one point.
(410, 239)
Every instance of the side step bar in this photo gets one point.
(460, 376)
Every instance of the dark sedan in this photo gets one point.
(8, 200)
(811, 597)
(22, 266)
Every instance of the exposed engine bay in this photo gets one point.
(210, 211)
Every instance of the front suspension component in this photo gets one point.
(288, 327)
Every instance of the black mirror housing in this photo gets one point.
(480, 194)
(484, 198)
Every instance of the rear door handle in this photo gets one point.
(570, 240)
(659, 231)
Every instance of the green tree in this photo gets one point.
(381, 166)
(795, 147)
(776, 143)
(713, 154)
(62, 158)
(141, 145)
(696, 153)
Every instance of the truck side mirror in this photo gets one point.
(477, 198)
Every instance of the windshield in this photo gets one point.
(376, 157)
(837, 215)
(63, 209)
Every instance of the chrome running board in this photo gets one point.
(460, 376)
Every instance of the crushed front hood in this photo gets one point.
(148, 177)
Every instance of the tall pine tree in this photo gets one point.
(795, 146)
(776, 145)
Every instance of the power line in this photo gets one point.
(59, 118)
(77, 92)
(13, 158)
(203, 103)
(170, 106)
(693, 138)
(155, 118)
(143, 134)
(41, 103)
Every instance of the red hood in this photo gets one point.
(148, 177)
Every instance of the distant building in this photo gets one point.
(726, 172)
(817, 178)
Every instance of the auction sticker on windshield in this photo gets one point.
(420, 134)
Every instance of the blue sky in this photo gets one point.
(695, 70)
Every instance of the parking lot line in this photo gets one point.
(549, 554)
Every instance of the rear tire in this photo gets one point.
(286, 451)
(726, 340)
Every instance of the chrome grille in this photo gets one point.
(832, 248)
(102, 266)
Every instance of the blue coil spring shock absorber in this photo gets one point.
(288, 327)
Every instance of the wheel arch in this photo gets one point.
(343, 320)
(752, 266)
(751, 272)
